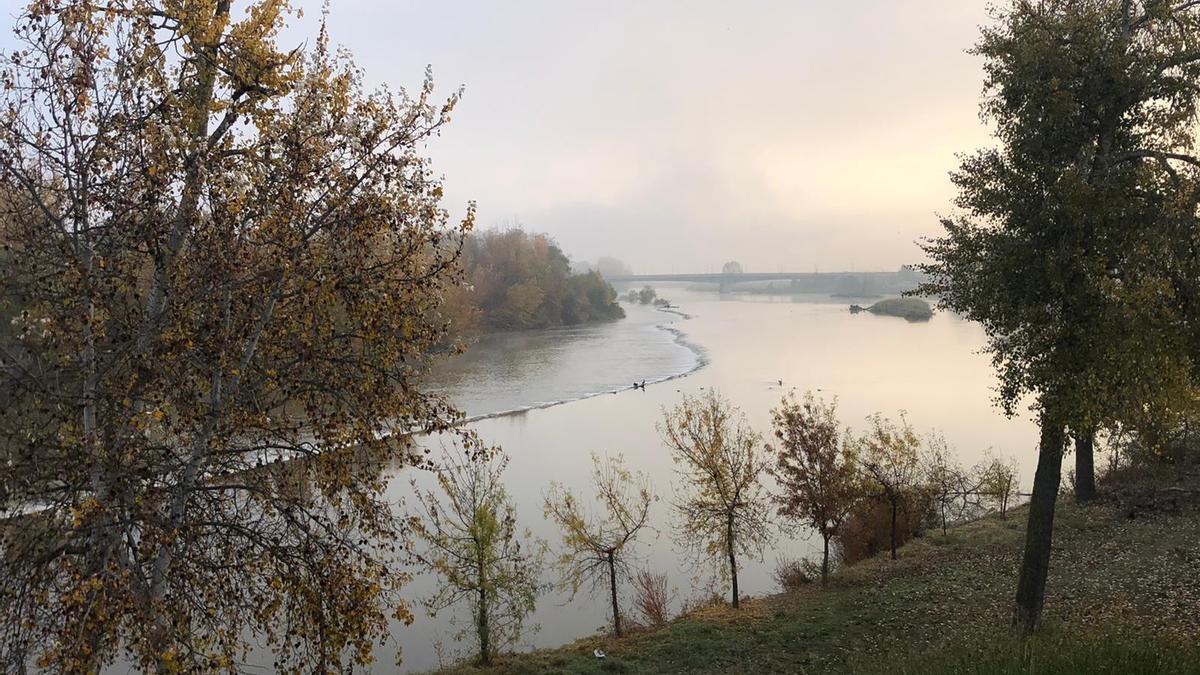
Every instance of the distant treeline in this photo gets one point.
(519, 280)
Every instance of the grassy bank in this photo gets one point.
(1123, 597)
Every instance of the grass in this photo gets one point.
(1123, 597)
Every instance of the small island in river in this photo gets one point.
(912, 309)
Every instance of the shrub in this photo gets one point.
(792, 574)
(868, 529)
(652, 597)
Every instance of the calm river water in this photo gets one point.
(742, 345)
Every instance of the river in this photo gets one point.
(548, 399)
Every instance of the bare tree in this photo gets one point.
(722, 506)
(597, 549)
(223, 255)
(474, 545)
(890, 459)
(946, 481)
(816, 468)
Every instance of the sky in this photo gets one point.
(676, 135)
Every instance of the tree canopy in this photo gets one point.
(1074, 242)
(597, 549)
(723, 508)
(473, 543)
(816, 467)
(518, 280)
(220, 255)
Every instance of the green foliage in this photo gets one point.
(521, 281)
(1073, 241)
(647, 295)
(912, 309)
(474, 545)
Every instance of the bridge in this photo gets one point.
(720, 277)
(850, 283)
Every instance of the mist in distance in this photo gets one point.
(676, 136)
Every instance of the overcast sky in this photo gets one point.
(676, 135)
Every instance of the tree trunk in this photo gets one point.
(732, 559)
(484, 631)
(1085, 471)
(825, 560)
(612, 585)
(1031, 588)
(893, 529)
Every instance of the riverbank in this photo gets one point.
(1122, 598)
(933, 370)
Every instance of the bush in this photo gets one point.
(792, 574)
(652, 598)
(868, 529)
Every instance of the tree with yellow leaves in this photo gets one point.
(816, 468)
(722, 507)
(597, 549)
(223, 260)
(891, 466)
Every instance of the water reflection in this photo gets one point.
(933, 370)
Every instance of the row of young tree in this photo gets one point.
(518, 280)
(734, 496)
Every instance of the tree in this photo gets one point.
(945, 480)
(520, 280)
(891, 465)
(474, 545)
(722, 507)
(647, 295)
(732, 267)
(815, 468)
(597, 550)
(225, 258)
(612, 267)
(998, 480)
(1085, 466)
(1072, 243)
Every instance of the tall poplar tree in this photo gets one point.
(1074, 239)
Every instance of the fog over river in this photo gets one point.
(743, 345)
